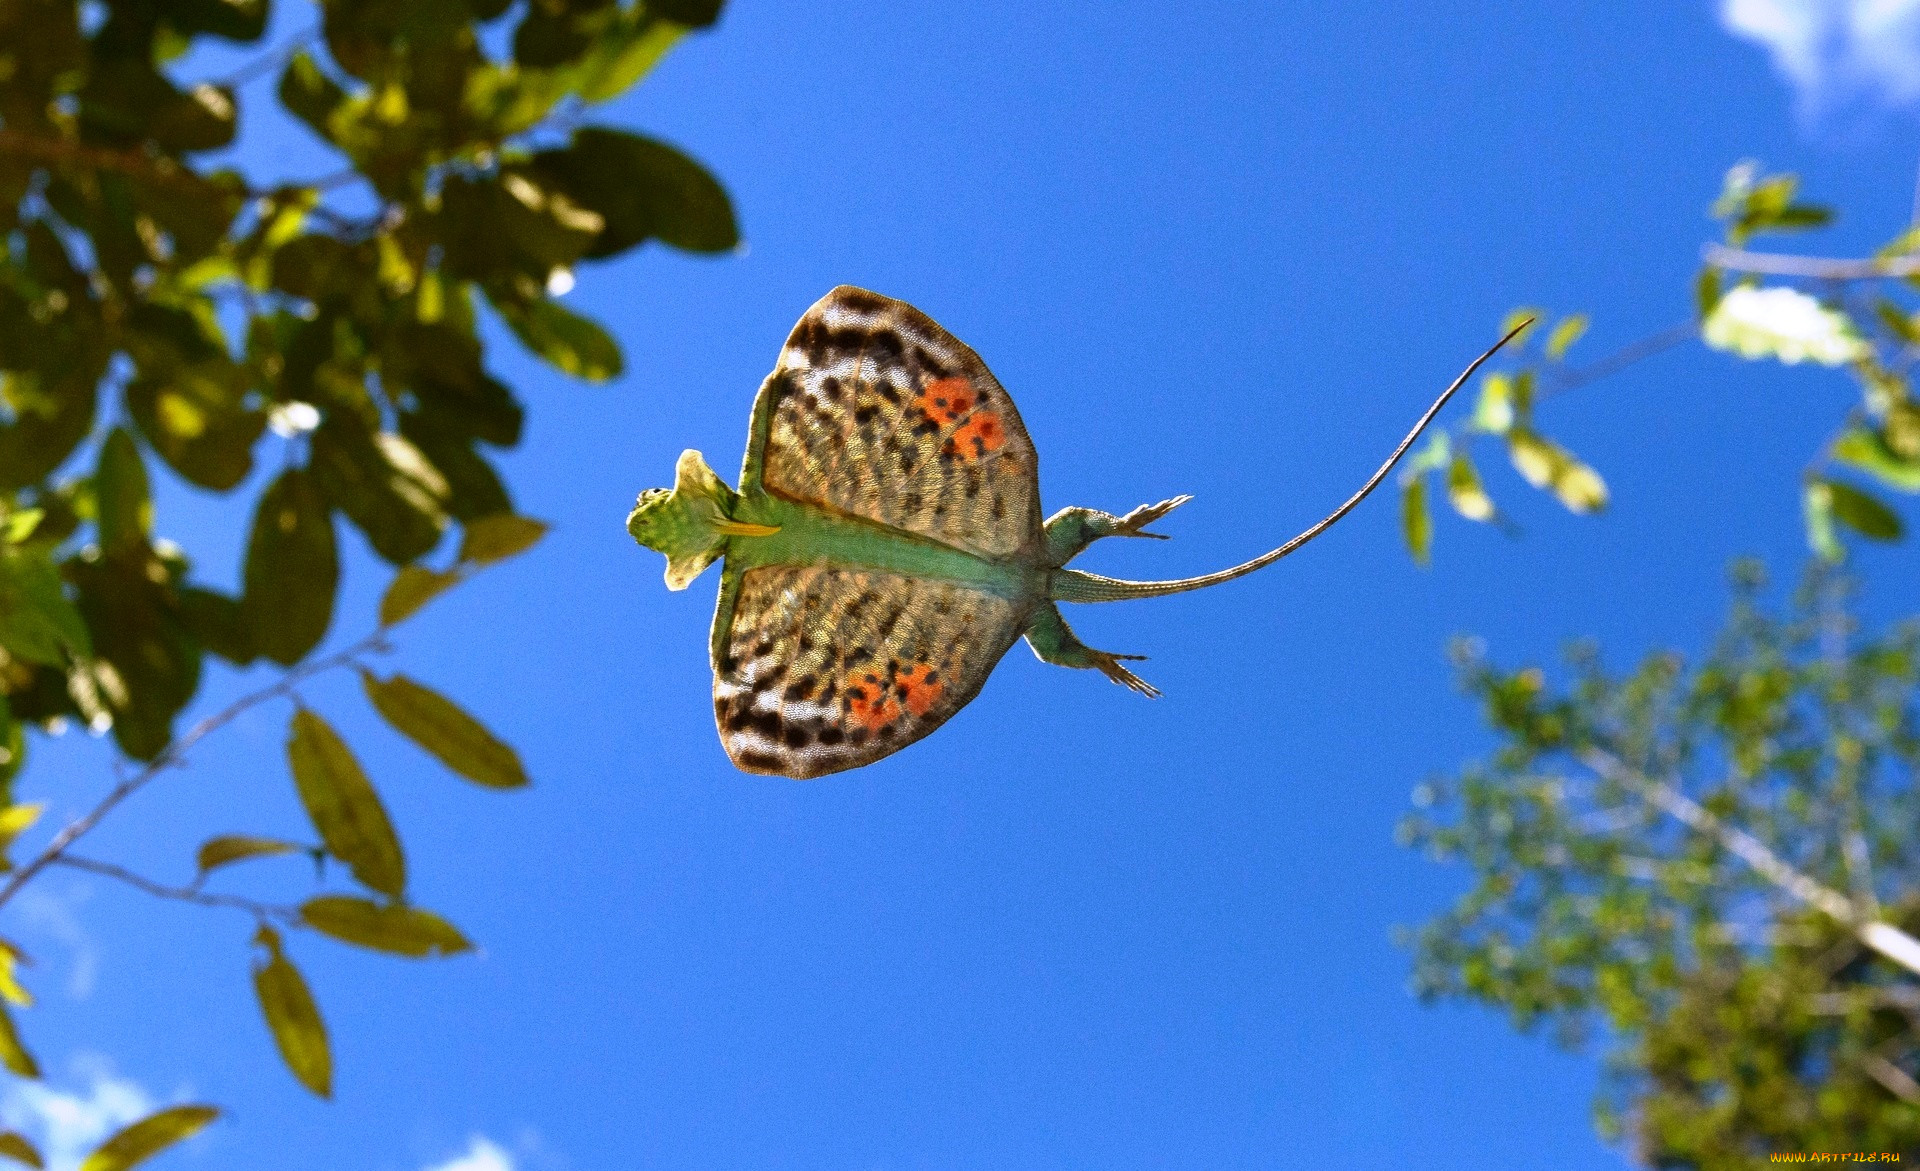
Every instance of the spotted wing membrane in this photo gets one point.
(875, 411)
(820, 669)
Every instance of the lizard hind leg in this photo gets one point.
(1071, 530)
(1053, 640)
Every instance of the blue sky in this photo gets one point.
(1230, 250)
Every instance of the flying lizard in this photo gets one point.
(885, 546)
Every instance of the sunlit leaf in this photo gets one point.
(497, 537)
(148, 1137)
(344, 808)
(1865, 450)
(393, 928)
(413, 587)
(571, 343)
(1513, 320)
(1464, 492)
(436, 724)
(1564, 334)
(227, 849)
(121, 494)
(1416, 520)
(1545, 464)
(1493, 410)
(1706, 291)
(1817, 508)
(1782, 323)
(13, 1051)
(292, 1016)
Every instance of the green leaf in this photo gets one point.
(14, 1145)
(692, 13)
(624, 56)
(13, 1051)
(343, 805)
(570, 343)
(413, 587)
(1493, 410)
(1565, 334)
(1545, 464)
(1464, 492)
(498, 537)
(227, 849)
(1513, 320)
(1416, 520)
(146, 661)
(37, 621)
(1817, 509)
(1862, 513)
(310, 95)
(393, 928)
(148, 1137)
(1867, 451)
(197, 421)
(1896, 321)
(292, 1016)
(643, 189)
(220, 623)
(386, 487)
(292, 570)
(438, 725)
(125, 506)
(1706, 291)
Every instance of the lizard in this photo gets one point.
(885, 546)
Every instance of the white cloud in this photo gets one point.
(1836, 53)
(67, 1126)
(482, 1155)
(54, 915)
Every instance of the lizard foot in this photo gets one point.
(1109, 665)
(1134, 523)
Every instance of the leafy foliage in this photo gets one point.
(1686, 862)
(313, 346)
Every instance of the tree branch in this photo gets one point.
(1622, 358)
(1782, 264)
(1885, 938)
(173, 753)
(186, 894)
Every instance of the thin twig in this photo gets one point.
(138, 164)
(173, 753)
(1819, 267)
(185, 894)
(1882, 937)
(1621, 358)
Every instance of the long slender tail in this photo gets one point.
(1071, 585)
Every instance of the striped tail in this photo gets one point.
(1071, 585)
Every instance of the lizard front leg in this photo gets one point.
(1071, 530)
(1051, 638)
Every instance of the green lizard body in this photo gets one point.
(884, 549)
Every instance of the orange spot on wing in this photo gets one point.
(919, 687)
(946, 400)
(868, 703)
(977, 436)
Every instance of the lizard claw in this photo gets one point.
(1109, 665)
(1133, 524)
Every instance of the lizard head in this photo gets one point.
(689, 523)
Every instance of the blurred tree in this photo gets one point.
(1714, 868)
(161, 314)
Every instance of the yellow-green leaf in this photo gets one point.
(229, 848)
(148, 1137)
(353, 825)
(13, 1051)
(438, 725)
(121, 494)
(413, 587)
(292, 1016)
(14, 1145)
(1565, 334)
(393, 928)
(1416, 520)
(1464, 492)
(1514, 319)
(1868, 452)
(1493, 410)
(1545, 464)
(497, 537)
(1863, 513)
(11, 990)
